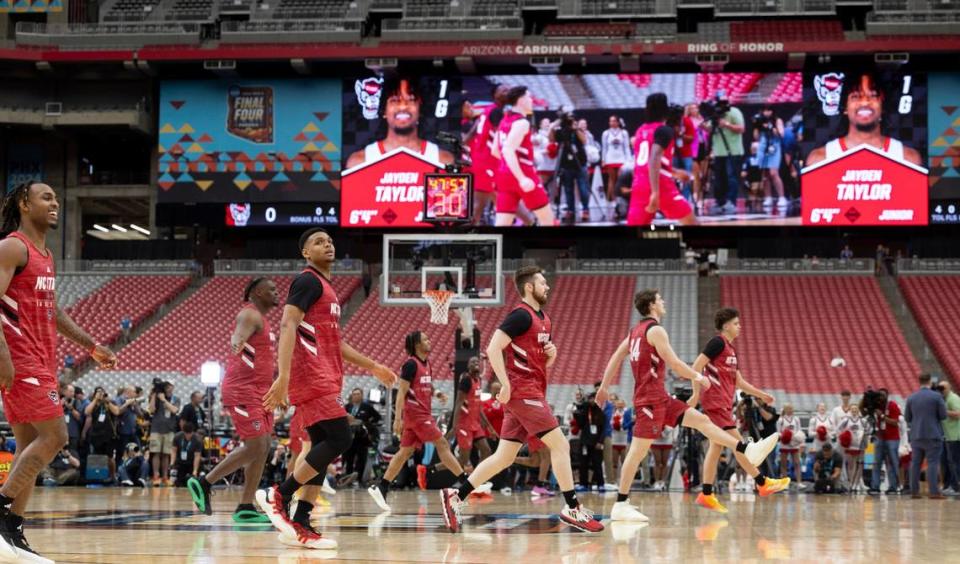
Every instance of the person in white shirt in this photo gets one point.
(850, 436)
(545, 164)
(614, 153)
(820, 427)
(841, 410)
(790, 442)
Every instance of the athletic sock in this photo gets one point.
(288, 488)
(465, 489)
(741, 447)
(708, 489)
(302, 514)
(622, 497)
(571, 498)
(5, 502)
(760, 479)
(384, 487)
(458, 481)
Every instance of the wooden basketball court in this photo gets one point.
(160, 525)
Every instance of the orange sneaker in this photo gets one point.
(773, 485)
(422, 476)
(710, 502)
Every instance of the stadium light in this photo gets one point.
(119, 228)
(136, 227)
(101, 228)
(210, 373)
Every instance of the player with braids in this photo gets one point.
(31, 320)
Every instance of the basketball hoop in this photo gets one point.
(439, 302)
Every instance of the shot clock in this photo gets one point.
(448, 198)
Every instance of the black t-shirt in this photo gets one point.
(714, 347)
(828, 464)
(409, 370)
(305, 290)
(518, 322)
(466, 382)
(186, 449)
(664, 135)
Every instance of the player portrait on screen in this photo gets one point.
(862, 104)
(400, 103)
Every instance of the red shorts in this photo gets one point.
(31, 399)
(525, 417)
(651, 419)
(509, 193)
(466, 437)
(612, 166)
(420, 431)
(483, 180)
(853, 451)
(672, 204)
(251, 422)
(320, 409)
(534, 444)
(661, 447)
(722, 418)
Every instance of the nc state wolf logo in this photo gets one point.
(54, 396)
(256, 425)
(368, 95)
(240, 214)
(829, 88)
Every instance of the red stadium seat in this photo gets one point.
(933, 301)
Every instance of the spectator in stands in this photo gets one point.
(768, 132)
(73, 413)
(126, 324)
(128, 403)
(608, 408)
(64, 470)
(571, 143)
(726, 143)
(366, 280)
(100, 427)
(951, 435)
(887, 444)
(842, 410)
(846, 253)
(193, 413)
(162, 407)
(615, 151)
(187, 452)
(364, 421)
(924, 413)
(134, 470)
(592, 421)
(826, 470)
(69, 367)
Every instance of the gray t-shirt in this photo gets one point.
(163, 420)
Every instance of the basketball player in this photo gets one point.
(538, 456)
(520, 353)
(310, 365)
(468, 420)
(650, 353)
(862, 102)
(31, 320)
(248, 376)
(400, 107)
(720, 365)
(481, 139)
(653, 167)
(413, 417)
(517, 179)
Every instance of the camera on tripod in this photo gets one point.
(715, 109)
(454, 141)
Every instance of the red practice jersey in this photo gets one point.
(481, 146)
(524, 151)
(525, 358)
(722, 373)
(648, 368)
(249, 375)
(419, 401)
(642, 151)
(470, 412)
(317, 368)
(493, 411)
(29, 315)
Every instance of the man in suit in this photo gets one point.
(925, 411)
(364, 419)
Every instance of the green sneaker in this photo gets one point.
(200, 495)
(249, 516)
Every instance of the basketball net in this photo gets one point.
(439, 302)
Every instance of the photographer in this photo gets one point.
(726, 126)
(134, 470)
(64, 470)
(768, 132)
(187, 452)
(100, 427)
(826, 470)
(885, 415)
(128, 405)
(592, 421)
(73, 413)
(571, 141)
(162, 407)
(364, 423)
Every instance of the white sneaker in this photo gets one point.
(327, 488)
(269, 501)
(768, 203)
(623, 511)
(782, 203)
(308, 540)
(756, 453)
(506, 491)
(483, 488)
(377, 496)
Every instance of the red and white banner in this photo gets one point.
(387, 192)
(864, 186)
